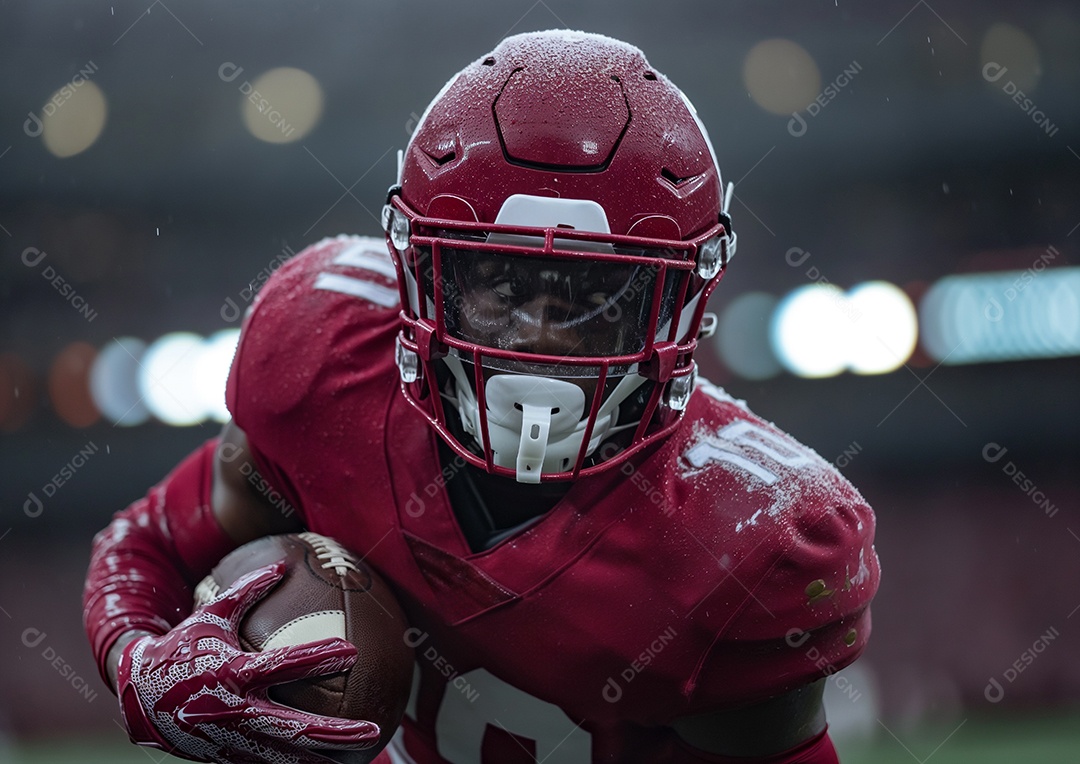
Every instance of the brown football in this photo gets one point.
(326, 592)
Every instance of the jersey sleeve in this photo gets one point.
(808, 616)
(311, 337)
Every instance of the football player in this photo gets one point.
(602, 557)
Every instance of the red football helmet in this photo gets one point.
(558, 225)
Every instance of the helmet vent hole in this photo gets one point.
(651, 76)
(441, 159)
(534, 432)
(489, 61)
(672, 178)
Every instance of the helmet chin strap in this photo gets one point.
(536, 424)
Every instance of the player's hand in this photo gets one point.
(195, 693)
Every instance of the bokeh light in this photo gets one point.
(73, 119)
(69, 385)
(167, 379)
(781, 76)
(212, 372)
(810, 331)
(742, 338)
(819, 331)
(1011, 47)
(114, 382)
(1003, 316)
(283, 105)
(885, 330)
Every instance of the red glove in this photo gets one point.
(194, 693)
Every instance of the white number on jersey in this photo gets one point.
(751, 448)
(478, 698)
(361, 256)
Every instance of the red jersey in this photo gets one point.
(728, 565)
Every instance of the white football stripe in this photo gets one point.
(380, 295)
(310, 627)
(361, 256)
(207, 590)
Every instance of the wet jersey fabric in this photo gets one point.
(727, 565)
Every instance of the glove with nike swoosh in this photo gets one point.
(195, 693)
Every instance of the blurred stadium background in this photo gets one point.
(906, 298)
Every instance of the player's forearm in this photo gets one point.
(133, 582)
(145, 562)
(112, 660)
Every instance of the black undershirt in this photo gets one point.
(489, 508)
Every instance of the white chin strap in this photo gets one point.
(536, 424)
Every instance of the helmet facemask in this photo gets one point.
(545, 352)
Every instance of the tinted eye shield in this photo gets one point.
(572, 307)
(634, 275)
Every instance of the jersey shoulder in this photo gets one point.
(323, 322)
(810, 530)
(355, 266)
(795, 537)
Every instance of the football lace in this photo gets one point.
(332, 554)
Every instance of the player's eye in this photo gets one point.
(511, 287)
